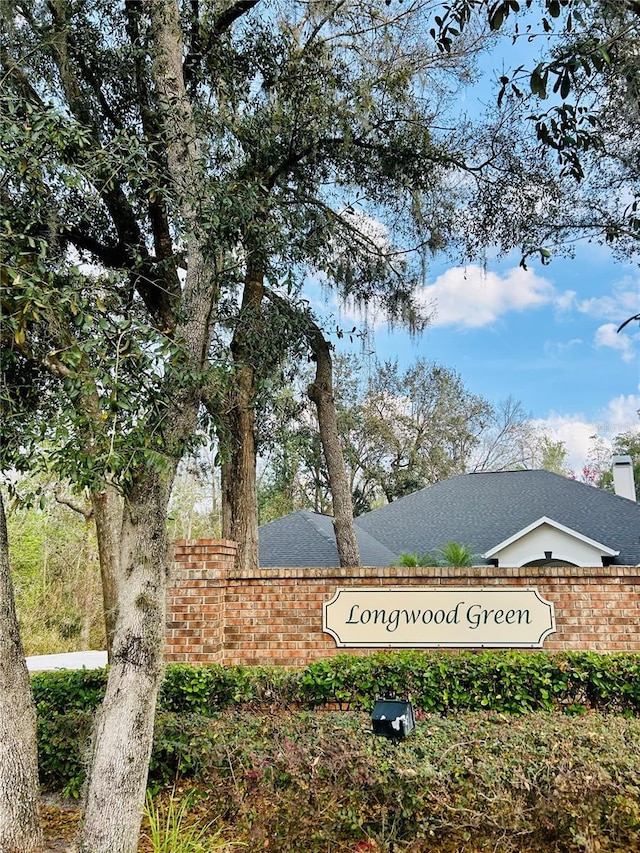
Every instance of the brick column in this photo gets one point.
(195, 600)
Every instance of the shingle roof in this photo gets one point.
(306, 538)
(482, 510)
(477, 510)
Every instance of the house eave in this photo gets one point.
(605, 550)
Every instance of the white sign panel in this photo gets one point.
(446, 617)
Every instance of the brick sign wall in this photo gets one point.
(274, 616)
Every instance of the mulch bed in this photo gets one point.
(60, 821)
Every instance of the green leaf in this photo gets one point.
(539, 82)
(497, 18)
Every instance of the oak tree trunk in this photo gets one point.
(123, 734)
(240, 479)
(321, 393)
(107, 511)
(20, 829)
(124, 727)
(226, 488)
(243, 492)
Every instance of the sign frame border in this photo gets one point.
(433, 645)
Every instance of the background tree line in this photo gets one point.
(400, 430)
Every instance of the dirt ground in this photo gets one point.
(60, 819)
(60, 822)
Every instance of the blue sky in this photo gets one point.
(547, 336)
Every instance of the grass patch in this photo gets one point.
(171, 827)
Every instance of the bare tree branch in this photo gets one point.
(86, 511)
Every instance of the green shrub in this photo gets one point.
(62, 751)
(511, 682)
(449, 554)
(413, 559)
(542, 781)
(207, 689)
(66, 690)
(537, 782)
(454, 554)
(183, 747)
(199, 690)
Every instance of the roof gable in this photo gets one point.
(567, 544)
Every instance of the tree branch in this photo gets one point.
(231, 15)
(82, 509)
(152, 127)
(112, 255)
(13, 71)
(223, 22)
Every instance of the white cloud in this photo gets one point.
(619, 415)
(557, 349)
(467, 297)
(372, 229)
(565, 301)
(471, 297)
(576, 433)
(607, 335)
(615, 307)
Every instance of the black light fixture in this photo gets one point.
(547, 555)
(393, 718)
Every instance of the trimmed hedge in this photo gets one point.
(61, 691)
(510, 682)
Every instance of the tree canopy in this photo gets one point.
(400, 430)
(579, 93)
